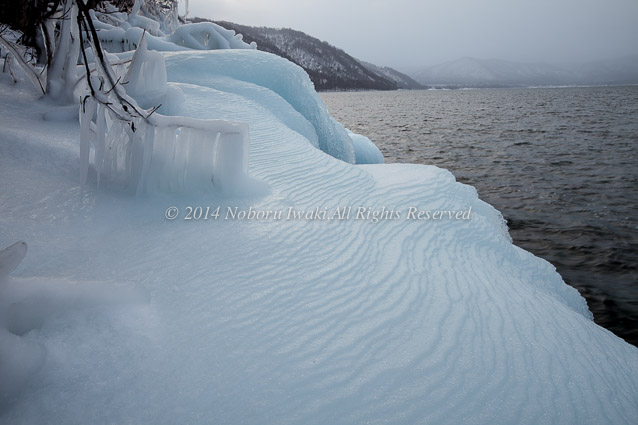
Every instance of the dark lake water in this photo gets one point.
(561, 164)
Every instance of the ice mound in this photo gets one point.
(120, 32)
(365, 151)
(284, 78)
(145, 80)
(208, 36)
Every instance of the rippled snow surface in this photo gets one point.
(561, 164)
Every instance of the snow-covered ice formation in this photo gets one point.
(355, 306)
(120, 32)
(149, 151)
(365, 151)
(268, 80)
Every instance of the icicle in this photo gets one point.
(182, 157)
(100, 140)
(87, 111)
(162, 157)
(174, 153)
(125, 151)
(149, 137)
(136, 7)
(214, 160)
(62, 75)
(229, 162)
(136, 61)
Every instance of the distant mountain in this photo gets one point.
(491, 72)
(403, 81)
(329, 68)
(618, 71)
(472, 72)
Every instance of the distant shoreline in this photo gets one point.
(491, 87)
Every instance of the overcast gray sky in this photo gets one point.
(414, 33)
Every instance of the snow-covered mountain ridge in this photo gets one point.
(329, 67)
(403, 81)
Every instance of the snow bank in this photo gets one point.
(284, 78)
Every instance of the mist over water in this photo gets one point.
(561, 164)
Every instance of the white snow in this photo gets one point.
(119, 315)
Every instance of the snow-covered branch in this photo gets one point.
(18, 53)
